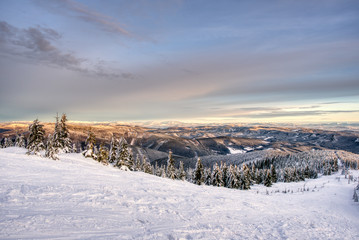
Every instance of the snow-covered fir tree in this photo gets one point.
(36, 138)
(246, 177)
(224, 170)
(198, 174)
(138, 163)
(181, 172)
(20, 141)
(273, 173)
(267, 179)
(232, 180)
(51, 149)
(147, 168)
(65, 141)
(217, 176)
(171, 170)
(90, 145)
(102, 156)
(114, 147)
(8, 142)
(124, 160)
(207, 176)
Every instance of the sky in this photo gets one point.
(192, 61)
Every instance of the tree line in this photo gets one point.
(271, 169)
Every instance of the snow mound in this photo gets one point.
(78, 198)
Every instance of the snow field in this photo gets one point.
(78, 198)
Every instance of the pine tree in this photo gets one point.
(171, 171)
(90, 145)
(181, 172)
(138, 164)
(51, 149)
(131, 162)
(259, 178)
(335, 166)
(273, 173)
(198, 175)
(246, 177)
(253, 173)
(103, 155)
(267, 179)
(36, 138)
(8, 142)
(74, 148)
(233, 181)
(207, 176)
(306, 172)
(113, 150)
(20, 141)
(56, 137)
(147, 168)
(224, 169)
(124, 157)
(287, 175)
(65, 141)
(217, 176)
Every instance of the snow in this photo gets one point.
(248, 149)
(235, 151)
(78, 198)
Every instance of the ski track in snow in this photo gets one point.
(78, 198)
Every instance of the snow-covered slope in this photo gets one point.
(78, 198)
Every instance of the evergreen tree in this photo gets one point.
(20, 141)
(267, 179)
(90, 145)
(224, 170)
(56, 136)
(259, 178)
(131, 162)
(306, 171)
(171, 171)
(233, 180)
(147, 168)
(335, 166)
(287, 175)
(246, 177)
(198, 175)
(103, 155)
(65, 141)
(74, 148)
(138, 163)
(273, 174)
(8, 142)
(217, 176)
(51, 149)
(207, 176)
(125, 160)
(113, 150)
(36, 138)
(253, 173)
(181, 172)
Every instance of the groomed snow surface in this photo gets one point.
(78, 198)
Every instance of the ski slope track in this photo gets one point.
(78, 198)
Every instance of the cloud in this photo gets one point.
(86, 14)
(284, 113)
(36, 45)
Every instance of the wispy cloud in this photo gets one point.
(86, 14)
(36, 45)
(285, 113)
